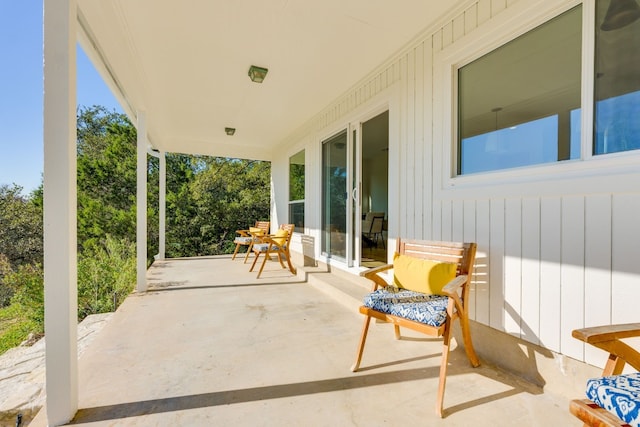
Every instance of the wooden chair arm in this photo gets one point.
(598, 334)
(451, 290)
(372, 274)
(243, 233)
(268, 238)
(452, 287)
(608, 338)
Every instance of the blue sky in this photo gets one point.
(21, 88)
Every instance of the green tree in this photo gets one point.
(229, 194)
(184, 236)
(106, 176)
(20, 235)
(20, 227)
(5, 291)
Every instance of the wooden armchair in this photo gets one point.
(609, 339)
(278, 244)
(249, 237)
(420, 269)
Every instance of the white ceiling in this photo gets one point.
(184, 63)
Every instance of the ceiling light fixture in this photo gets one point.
(230, 131)
(620, 14)
(257, 74)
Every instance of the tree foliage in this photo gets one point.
(27, 283)
(20, 235)
(106, 176)
(223, 196)
(106, 274)
(20, 227)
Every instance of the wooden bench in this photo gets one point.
(395, 305)
(609, 339)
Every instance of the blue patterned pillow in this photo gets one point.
(416, 306)
(619, 395)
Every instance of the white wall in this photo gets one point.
(557, 243)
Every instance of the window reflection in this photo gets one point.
(517, 104)
(617, 85)
(296, 191)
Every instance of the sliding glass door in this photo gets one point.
(335, 194)
(354, 187)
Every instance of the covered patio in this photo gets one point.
(201, 341)
(208, 344)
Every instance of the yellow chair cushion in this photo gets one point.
(422, 275)
(280, 237)
(256, 231)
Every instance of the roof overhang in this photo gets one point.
(185, 63)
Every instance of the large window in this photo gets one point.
(617, 77)
(296, 191)
(520, 104)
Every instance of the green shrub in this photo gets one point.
(28, 293)
(25, 315)
(14, 327)
(6, 292)
(106, 275)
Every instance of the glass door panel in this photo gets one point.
(374, 184)
(335, 194)
(355, 180)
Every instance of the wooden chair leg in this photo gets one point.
(396, 331)
(255, 259)
(292, 269)
(236, 251)
(363, 339)
(443, 368)
(468, 344)
(264, 261)
(249, 249)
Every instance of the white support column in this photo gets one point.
(141, 197)
(60, 216)
(163, 205)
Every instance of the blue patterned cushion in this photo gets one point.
(262, 247)
(619, 395)
(428, 309)
(243, 240)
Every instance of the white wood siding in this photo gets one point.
(553, 254)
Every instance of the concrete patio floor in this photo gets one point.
(209, 345)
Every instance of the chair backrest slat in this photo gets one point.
(289, 228)
(263, 225)
(462, 254)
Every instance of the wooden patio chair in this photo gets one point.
(430, 291)
(278, 244)
(371, 227)
(614, 399)
(249, 237)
